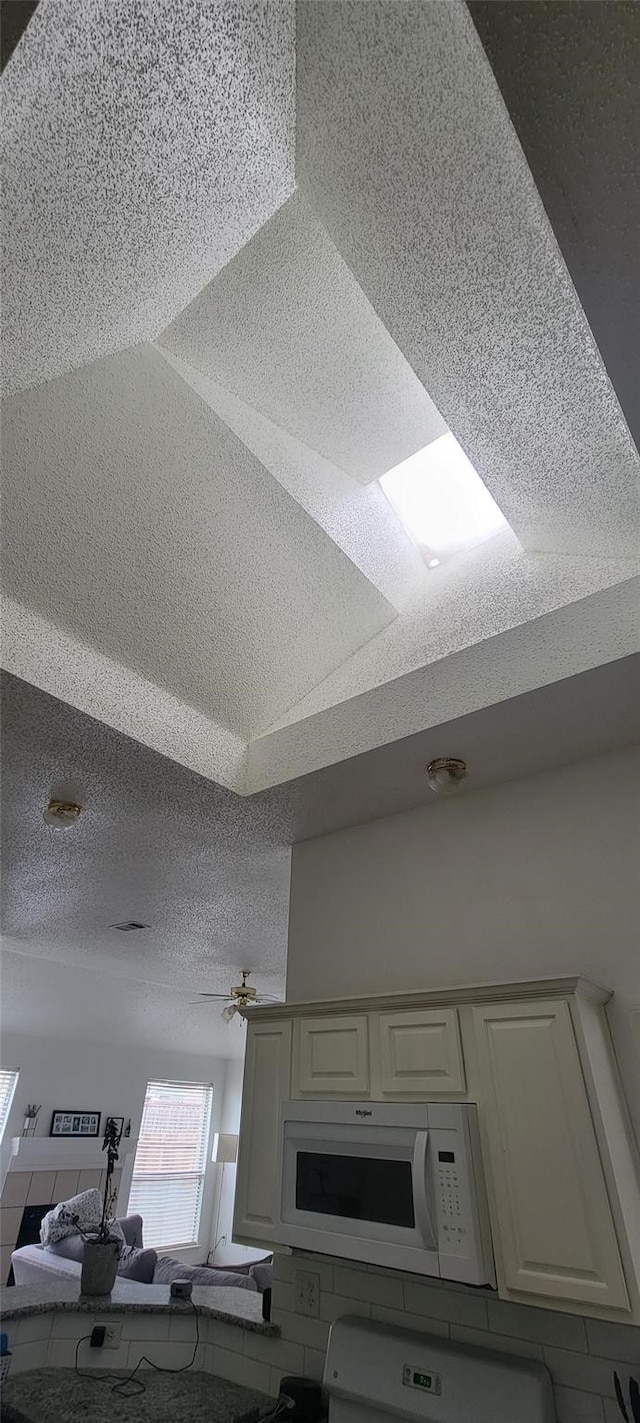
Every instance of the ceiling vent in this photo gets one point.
(128, 926)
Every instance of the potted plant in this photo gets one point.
(102, 1249)
(30, 1119)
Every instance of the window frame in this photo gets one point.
(198, 1174)
(5, 1112)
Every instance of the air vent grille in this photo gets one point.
(128, 926)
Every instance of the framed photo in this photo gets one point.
(75, 1124)
(119, 1121)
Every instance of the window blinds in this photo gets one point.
(8, 1080)
(169, 1170)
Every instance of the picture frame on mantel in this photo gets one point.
(75, 1124)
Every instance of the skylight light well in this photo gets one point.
(441, 501)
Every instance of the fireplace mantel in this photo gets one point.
(68, 1153)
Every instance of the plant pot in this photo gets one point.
(99, 1266)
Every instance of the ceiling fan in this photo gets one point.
(240, 996)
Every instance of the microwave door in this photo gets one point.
(423, 1205)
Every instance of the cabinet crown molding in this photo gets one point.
(568, 986)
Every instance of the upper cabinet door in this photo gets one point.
(552, 1218)
(267, 1080)
(332, 1056)
(420, 1052)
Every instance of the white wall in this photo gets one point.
(98, 1077)
(535, 877)
(222, 1223)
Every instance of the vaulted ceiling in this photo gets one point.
(256, 256)
(254, 260)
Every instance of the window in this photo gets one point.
(8, 1083)
(168, 1175)
(441, 501)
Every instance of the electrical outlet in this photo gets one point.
(307, 1293)
(112, 1332)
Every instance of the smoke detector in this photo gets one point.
(446, 774)
(60, 814)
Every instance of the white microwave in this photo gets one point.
(392, 1184)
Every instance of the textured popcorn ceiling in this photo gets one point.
(205, 869)
(287, 328)
(183, 559)
(408, 155)
(146, 142)
(196, 550)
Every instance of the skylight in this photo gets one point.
(441, 501)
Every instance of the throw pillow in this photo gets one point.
(138, 1265)
(80, 1213)
(71, 1248)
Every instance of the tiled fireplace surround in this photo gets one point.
(46, 1170)
(580, 1354)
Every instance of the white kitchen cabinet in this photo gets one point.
(331, 1056)
(267, 1083)
(418, 1053)
(552, 1219)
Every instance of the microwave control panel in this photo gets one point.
(451, 1188)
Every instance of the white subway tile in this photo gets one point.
(35, 1326)
(614, 1341)
(183, 1326)
(314, 1364)
(373, 1288)
(283, 1296)
(29, 1356)
(62, 1355)
(575, 1406)
(239, 1369)
(446, 1304)
(543, 1326)
(227, 1336)
(72, 1326)
(501, 1343)
(167, 1355)
(145, 1326)
(584, 1371)
(611, 1411)
(285, 1266)
(334, 1306)
(302, 1330)
(421, 1323)
(278, 1353)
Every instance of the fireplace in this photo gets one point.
(44, 1171)
(29, 1232)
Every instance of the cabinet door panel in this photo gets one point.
(333, 1056)
(267, 1076)
(553, 1217)
(420, 1052)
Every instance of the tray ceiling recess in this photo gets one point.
(256, 261)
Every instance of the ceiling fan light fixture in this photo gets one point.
(445, 774)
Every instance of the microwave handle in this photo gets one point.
(420, 1199)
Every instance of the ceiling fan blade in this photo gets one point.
(222, 997)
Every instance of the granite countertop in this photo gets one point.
(240, 1307)
(59, 1396)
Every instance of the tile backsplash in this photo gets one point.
(580, 1354)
